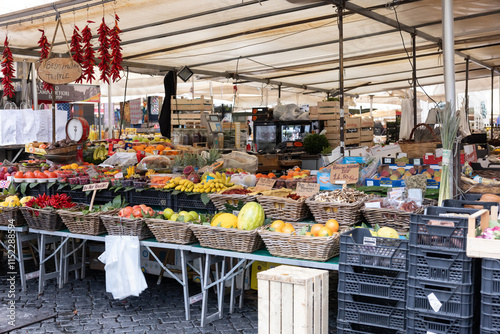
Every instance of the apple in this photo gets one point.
(183, 213)
(174, 217)
(167, 213)
(194, 215)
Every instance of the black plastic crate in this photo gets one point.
(455, 203)
(372, 311)
(490, 311)
(105, 196)
(456, 299)
(38, 189)
(151, 197)
(78, 196)
(424, 323)
(182, 201)
(441, 266)
(431, 236)
(373, 282)
(490, 276)
(471, 197)
(384, 253)
(485, 330)
(353, 328)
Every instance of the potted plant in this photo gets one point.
(314, 144)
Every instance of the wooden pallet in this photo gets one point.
(201, 104)
(187, 118)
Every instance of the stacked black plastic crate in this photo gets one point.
(442, 282)
(372, 284)
(490, 297)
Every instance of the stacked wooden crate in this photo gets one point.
(329, 113)
(189, 111)
(352, 131)
(366, 136)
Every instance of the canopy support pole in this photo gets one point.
(492, 90)
(340, 16)
(35, 91)
(414, 78)
(371, 105)
(467, 60)
(54, 114)
(111, 114)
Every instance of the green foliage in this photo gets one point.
(315, 143)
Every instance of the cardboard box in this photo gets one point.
(257, 267)
(386, 151)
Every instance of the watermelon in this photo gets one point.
(251, 216)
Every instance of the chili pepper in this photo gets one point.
(116, 51)
(76, 49)
(88, 54)
(104, 55)
(7, 70)
(44, 45)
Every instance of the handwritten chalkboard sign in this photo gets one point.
(344, 174)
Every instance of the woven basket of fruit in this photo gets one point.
(314, 242)
(136, 227)
(231, 197)
(41, 212)
(344, 205)
(10, 213)
(81, 222)
(170, 231)
(397, 218)
(291, 208)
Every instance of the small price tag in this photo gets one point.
(265, 184)
(92, 172)
(96, 186)
(4, 184)
(306, 189)
(119, 175)
(417, 161)
(402, 155)
(387, 160)
(372, 205)
(369, 241)
(434, 301)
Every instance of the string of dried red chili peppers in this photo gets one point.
(7, 70)
(116, 51)
(44, 45)
(76, 49)
(104, 55)
(88, 54)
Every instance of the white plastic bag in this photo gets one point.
(243, 160)
(121, 159)
(124, 276)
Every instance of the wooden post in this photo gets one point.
(92, 200)
(54, 114)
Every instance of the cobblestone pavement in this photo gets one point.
(83, 306)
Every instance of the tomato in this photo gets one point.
(19, 175)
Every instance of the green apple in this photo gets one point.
(187, 218)
(167, 213)
(174, 217)
(194, 215)
(183, 213)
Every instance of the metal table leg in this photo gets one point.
(20, 260)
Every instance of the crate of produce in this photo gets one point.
(353, 328)
(220, 200)
(440, 298)
(80, 223)
(344, 205)
(116, 225)
(187, 202)
(300, 246)
(287, 209)
(425, 323)
(35, 189)
(374, 252)
(8, 214)
(374, 282)
(490, 311)
(227, 238)
(76, 195)
(41, 219)
(397, 219)
(171, 231)
(150, 197)
(441, 266)
(490, 276)
(372, 311)
(481, 242)
(444, 228)
(293, 300)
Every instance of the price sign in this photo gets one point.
(4, 184)
(344, 174)
(265, 184)
(119, 175)
(92, 172)
(95, 186)
(306, 189)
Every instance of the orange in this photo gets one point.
(315, 229)
(288, 228)
(324, 232)
(271, 175)
(160, 147)
(278, 225)
(333, 225)
(258, 175)
(309, 234)
(297, 169)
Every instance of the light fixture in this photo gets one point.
(185, 73)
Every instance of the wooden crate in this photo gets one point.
(293, 300)
(201, 104)
(352, 123)
(482, 248)
(366, 143)
(333, 136)
(366, 134)
(366, 122)
(329, 104)
(352, 141)
(178, 118)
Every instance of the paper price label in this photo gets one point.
(434, 301)
(4, 184)
(92, 172)
(307, 189)
(369, 241)
(387, 160)
(265, 184)
(95, 186)
(119, 175)
(349, 174)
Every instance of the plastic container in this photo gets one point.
(73, 180)
(384, 253)
(353, 328)
(155, 162)
(127, 183)
(374, 282)
(490, 276)
(182, 201)
(424, 323)
(440, 266)
(371, 311)
(456, 300)
(151, 198)
(490, 311)
(83, 180)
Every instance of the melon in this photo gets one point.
(226, 220)
(251, 216)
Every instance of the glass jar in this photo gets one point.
(176, 136)
(187, 138)
(196, 136)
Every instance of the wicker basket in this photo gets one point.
(89, 224)
(12, 213)
(301, 246)
(283, 208)
(227, 238)
(135, 227)
(220, 200)
(396, 219)
(479, 189)
(61, 150)
(41, 219)
(419, 149)
(345, 213)
(171, 231)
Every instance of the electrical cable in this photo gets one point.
(276, 68)
(122, 111)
